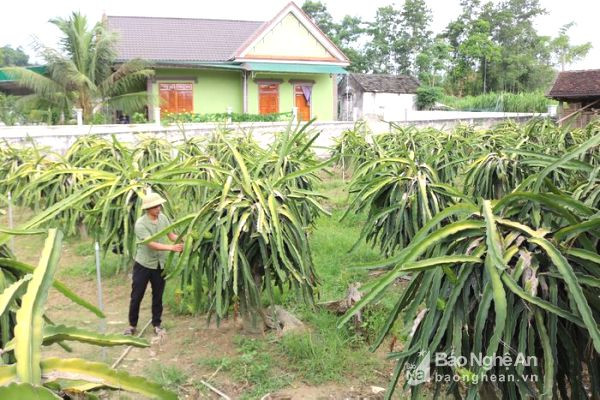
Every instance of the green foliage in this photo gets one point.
(13, 57)
(33, 329)
(345, 34)
(533, 102)
(249, 209)
(428, 96)
(564, 52)
(10, 112)
(516, 274)
(98, 118)
(351, 148)
(188, 117)
(487, 47)
(250, 235)
(139, 118)
(400, 194)
(81, 73)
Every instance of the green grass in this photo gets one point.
(255, 366)
(167, 376)
(110, 265)
(325, 353)
(84, 249)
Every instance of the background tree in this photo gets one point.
(563, 51)
(415, 36)
(349, 37)
(456, 32)
(320, 16)
(480, 48)
(433, 62)
(347, 34)
(83, 73)
(524, 63)
(384, 31)
(11, 57)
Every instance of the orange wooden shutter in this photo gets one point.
(268, 98)
(176, 97)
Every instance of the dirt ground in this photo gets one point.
(187, 342)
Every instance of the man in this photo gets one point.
(150, 262)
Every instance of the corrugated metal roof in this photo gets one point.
(40, 69)
(179, 39)
(584, 83)
(386, 83)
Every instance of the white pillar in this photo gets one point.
(157, 115)
(10, 221)
(229, 111)
(99, 286)
(295, 114)
(79, 112)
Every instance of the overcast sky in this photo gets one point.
(20, 20)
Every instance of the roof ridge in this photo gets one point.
(386, 75)
(188, 18)
(581, 70)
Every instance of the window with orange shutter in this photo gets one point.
(268, 98)
(176, 97)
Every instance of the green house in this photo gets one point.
(212, 66)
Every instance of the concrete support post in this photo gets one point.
(79, 112)
(10, 221)
(99, 286)
(229, 112)
(295, 114)
(157, 115)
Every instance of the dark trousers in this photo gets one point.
(141, 276)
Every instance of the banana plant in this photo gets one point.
(32, 375)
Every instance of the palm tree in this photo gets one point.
(83, 73)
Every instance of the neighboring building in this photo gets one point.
(209, 65)
(578, 93)
(375, 95)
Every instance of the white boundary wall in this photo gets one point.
(60, 137)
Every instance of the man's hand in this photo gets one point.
(177, 247)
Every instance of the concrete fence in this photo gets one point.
(60, 138)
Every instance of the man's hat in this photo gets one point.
(152, 200)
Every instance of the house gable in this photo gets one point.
(291, 25)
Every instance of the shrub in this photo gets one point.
(139, 118)
(507, 102)
(427, 96)
(188, 117)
